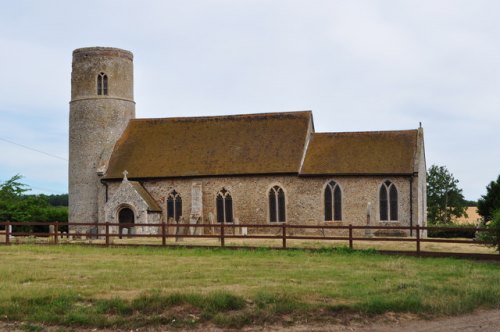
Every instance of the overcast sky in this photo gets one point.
(358, 65)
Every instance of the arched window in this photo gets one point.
(102, 84)
(174, 206)
(277, 204)
(224, 206)
(388, 198)
(333, 202)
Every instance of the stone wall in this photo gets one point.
(304, 197)
(95, 124)
(125, 196)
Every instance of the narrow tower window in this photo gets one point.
(102, 84)
(333, 202)
(277, 205)
(174, 206)
(224, 206)
(388, 202)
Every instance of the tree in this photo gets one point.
(444, 198)
(15, 205)
(491, 238)
(489, 202)
(11, 204)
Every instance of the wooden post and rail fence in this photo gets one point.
(280, 231)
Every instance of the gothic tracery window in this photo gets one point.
(388, 200)
(102, 84)
(174, 206)
(333, 202)
(224, 205)
(277, 204)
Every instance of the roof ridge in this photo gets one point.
(226, 116)
(364, 132)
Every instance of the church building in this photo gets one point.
(263, 168)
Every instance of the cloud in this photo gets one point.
(359, 65)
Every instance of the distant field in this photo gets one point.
(133, 287)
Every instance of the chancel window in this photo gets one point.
(333, 202)
(277, 204)
(102, 84)
(388, 198)
(224, 203)
(174, 206)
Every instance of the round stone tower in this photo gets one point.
(102, 103)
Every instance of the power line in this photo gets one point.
(33, 149)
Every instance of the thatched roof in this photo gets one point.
(376, 152)
(253, 144)
(219, 145)
(146, 196)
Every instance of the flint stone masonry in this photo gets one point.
(126, 196)
(304, 198)
(96, 122)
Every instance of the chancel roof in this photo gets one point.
(253, 144)
(376, 152)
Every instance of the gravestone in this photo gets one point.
(368, 231)
(180, 230)
(211, 221)
(10, 231)
(170, 228)
(193, 220)
(94, 233)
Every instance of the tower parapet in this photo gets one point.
(102, 103)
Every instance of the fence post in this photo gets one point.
(163, 233)
(56, 232)
(284, 235)
(418, 239)
(222, 234)
(7, 232)
(107, 234)
(350, 236)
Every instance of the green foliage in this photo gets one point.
(453, 231)
(470, 203)
(444, 198)
(18, 207)
(489, 202)
(492, 238)
(60, 200)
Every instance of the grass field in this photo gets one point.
(132, 287)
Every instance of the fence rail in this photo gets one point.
(282, 232)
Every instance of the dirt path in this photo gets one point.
(482, 320)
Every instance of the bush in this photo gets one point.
(464, 231)
(491, 238)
